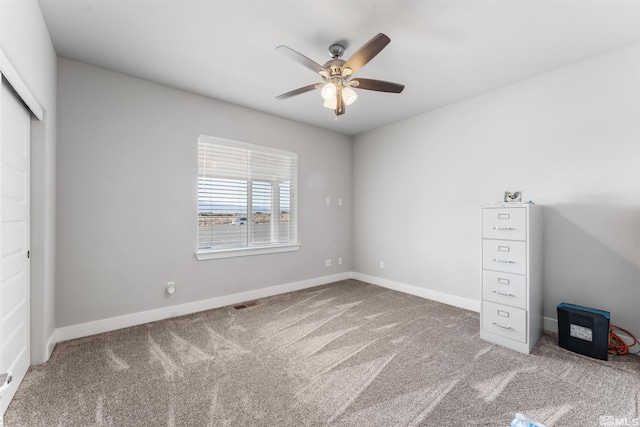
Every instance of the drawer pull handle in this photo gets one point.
(504, 261)
(505, 294)
(504, 228)
(500, 325)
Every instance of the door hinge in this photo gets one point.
(28, 254)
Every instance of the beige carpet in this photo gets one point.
(344, 354)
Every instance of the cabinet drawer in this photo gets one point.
(504, 223)
(504, 288)
(503, 320)
(504, 255)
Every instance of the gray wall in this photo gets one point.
(568, 139)
(127, 177)
(25, 41)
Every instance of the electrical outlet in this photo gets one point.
(327, 201)
(171, 288)
(339, 202)
(339, 261)
(327, 263)
(381, 265)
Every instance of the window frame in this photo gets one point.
(220, 253)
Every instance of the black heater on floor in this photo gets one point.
(584, 330)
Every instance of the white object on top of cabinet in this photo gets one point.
(511, 310)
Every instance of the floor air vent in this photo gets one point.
(245, 305)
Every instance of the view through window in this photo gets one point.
(246, 196)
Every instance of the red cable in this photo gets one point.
(617, 344)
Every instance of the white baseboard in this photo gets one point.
(550, 325)
(466, 303)
(51, 343)
(114, 323)
(133, 319)
(43, 354)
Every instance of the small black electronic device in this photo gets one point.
(584, 330)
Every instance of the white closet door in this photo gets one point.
(14, 243)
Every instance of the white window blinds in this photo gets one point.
(246, 195)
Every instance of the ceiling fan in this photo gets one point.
(337, 74)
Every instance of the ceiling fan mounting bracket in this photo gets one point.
(336, 50)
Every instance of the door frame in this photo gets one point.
(13, 77)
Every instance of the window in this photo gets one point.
(246, 199)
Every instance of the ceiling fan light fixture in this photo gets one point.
(349, 95)
(330, 103)
(328, 91)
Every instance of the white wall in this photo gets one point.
(25, 41)
(569, 139)
(127, 187)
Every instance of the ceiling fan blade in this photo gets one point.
(367, 52)
(379, 85)
(340, 105)
(300, 58)
(298, 91)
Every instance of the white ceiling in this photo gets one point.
(443, 51)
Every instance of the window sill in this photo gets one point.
(232, 253)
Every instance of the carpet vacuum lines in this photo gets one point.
(345, 354)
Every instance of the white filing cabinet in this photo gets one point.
(511, 310)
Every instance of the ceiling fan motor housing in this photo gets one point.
(334, 67)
